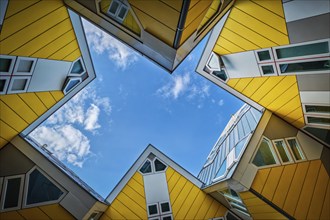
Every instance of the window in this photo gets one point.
(295, 149)
(40, 189)
(239, 147)
(320, 133)
(318, 120)
(24, 66)
(77, 68)
(146, 167)
(268, 70)
(18, 84)
(7, 64)
(222, 171)
(160, 211)
(306, 66)
(4, 82)
(153, 209)
(221, 74)
(265, 154)
(167, 217)
(12, 192)
(71, 83)
(317, 109)
(118, 10)
(159, 166)
(282, 150)
(302, 50)
(165, 207)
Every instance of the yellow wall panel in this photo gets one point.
(289, 106)
(135, 195)
(25, 35)
(138, 178)
(271, 183)
(242, 84)
(65, 51)
(220, 50)
(319, 193)
(138, 209)
(261, 209)
(33, 214)
(28, 16)
(182, 196)
(294, 115)
(43, 39)
(260, 179)
(284, 184)
(7, 132)
(188, 203)
(2, 142)
(326, 205)
(73, 55)
(196, 205)
(19, 6)
(232, 82)
(195, 12)
(212, 210)
(10, 216)
(262, 14)
(307, 190)
(169, 172)
(255, 201)
(19, 107)
(299, 123)
(243, 42)
(111, 213)
(253, 86)
(279, 102)
(131, 23)
(221, 211)
(295, 188)
(46, 98)
(56, 211)
(274, 6)
(136, 186)
(266, 87)
(229, 45)
(177, 189)
(33, 102)
(172, 181)
(191, 28)
(11, 118)
(57, 95)
(204, 208)
(124, 210)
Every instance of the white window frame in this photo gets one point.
(82, 65)
(18, 60)
(300, 61)
(13, 78)
(5, 88)
(301, 57)
(158, 210)
(121, 5)
(247, 140)
(324, 126)
(67, 81)
(272, 150)
(4, 189)
(315, 113)
(286, 150)
(271, 60)
(26, 187)
(268, 64)
(302, 154)
(168, 215)
(151, 165)
(11, 67)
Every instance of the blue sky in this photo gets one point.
(132, 103)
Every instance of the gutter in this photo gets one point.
(182, 20)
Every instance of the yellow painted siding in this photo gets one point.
(279, 94)
(299, 189)
(251, 25)
(129, 21)
(211, 11)
(130, 202)
(36, 28)
(55, 211)
(18, 111)
(157, 18)
(258, 208)
(190, 202)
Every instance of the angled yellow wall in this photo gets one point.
(159, 18)
(302, 189)
(251, 25)
(279, 94)
(190, 202)
(130, 202)
(258, 208)
(39, 29)
(55, 211)
(18, 111)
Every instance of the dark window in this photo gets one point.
(146, 168)
(114, 7)
(263, 55)
(165, 207)
(41, 189)
(267, 69)
(5, 64)
(230, 216)
(2, 85)
(317, 109)
(298, 67)
(77, 67)
(322, 134)
(221, 74)
(303, 50)
(12, 193)
(317, 120)
(159, 166)
(167, 218)
(153, 209)
(264, 155)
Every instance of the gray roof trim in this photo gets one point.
(134, 168)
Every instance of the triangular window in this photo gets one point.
(146, 167)
(265, 154)
(159, 166)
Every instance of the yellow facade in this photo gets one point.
(55, 211)
(302, 189)
(251, 25)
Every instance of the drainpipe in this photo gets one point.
(182, 20)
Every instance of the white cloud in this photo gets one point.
(101, 42)
(221, 102)
(177, 86)
(60, 131)
(65, 142)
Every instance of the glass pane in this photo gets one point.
(303, 50)
(5, 64)
(264, 55)
(159, 166)
(317, 109)
(146, 168)
(113, 8)
(122, 12)
(295, 149)
(239, 147)
(41, 189)
(280, 146)
(153, 209)
(267, 69)
(322, 134)
(2, 85)
(220, 74)
(77, 67)
(72, 83)
(222, 169)
(12, 193)
(316, 120)
(25, 66)
(19, 84)
(167, 218)
(165, 207)
(264, 155)
(214, 62)
(305, 66)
